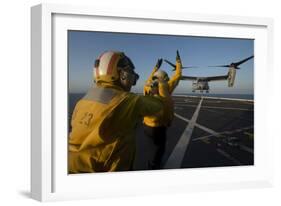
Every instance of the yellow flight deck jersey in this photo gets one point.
(165, 116)
(103, 129)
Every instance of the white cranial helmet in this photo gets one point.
(160, 74)
(107, 65)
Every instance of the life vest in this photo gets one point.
(99, 141)
(166, 115)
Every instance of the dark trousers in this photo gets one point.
(158, 135)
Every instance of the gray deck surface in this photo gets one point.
(203, 143)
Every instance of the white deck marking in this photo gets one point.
(206, 129)
(229, 157)
(216, 134)
(228, 108)
(250, 103)
(210, 107)
(246, 149)
(176, 157)
(215, 98)
(225, 132)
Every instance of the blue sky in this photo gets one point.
(144, 50)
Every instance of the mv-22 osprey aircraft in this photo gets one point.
(202, 83)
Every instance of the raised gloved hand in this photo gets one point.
(159, 63)
(178, 58)
(178, 63)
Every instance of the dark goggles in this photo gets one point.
(132, 75)
(127, 65)
(136, 78)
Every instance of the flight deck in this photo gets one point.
(205, 132)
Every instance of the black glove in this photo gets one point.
(159, 63)
(178, 58)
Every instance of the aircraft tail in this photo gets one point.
(231, 77)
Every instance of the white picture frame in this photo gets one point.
(49, 177)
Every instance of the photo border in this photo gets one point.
(43, 88)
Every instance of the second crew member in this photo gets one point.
(155, 126)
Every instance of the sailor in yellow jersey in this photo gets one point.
(155, 126)
(104, 121)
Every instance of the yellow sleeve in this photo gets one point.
(163, 89)
(146, 87)
(149, 105)
(174, 80)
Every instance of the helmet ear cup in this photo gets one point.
(122, 75)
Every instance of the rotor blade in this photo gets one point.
(185, 68)
(242, 61)
(171, 64)
(189, 67)
(220, 66)
(188, 78)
